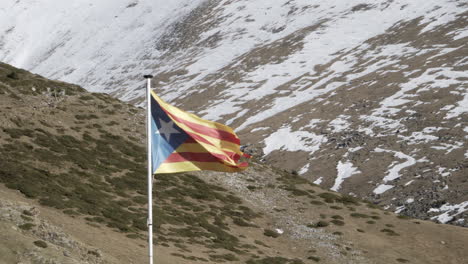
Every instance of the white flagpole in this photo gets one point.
(150, 173)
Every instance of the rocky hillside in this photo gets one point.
(367, 98)
(72, 190)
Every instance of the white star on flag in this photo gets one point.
(166, 129)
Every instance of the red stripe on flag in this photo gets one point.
(212, 132)
(194, 138)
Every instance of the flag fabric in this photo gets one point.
(184, 142)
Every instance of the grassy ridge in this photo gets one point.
(80, 154)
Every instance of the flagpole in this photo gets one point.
(150, 173)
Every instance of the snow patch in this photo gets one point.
(345, 170)
(304, 169)
(285, 139)
(449, 211)
(259, 129)
(339, 124)
(382, 188)
(318, 181)
(394, 170)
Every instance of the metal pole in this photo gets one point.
(150, 173)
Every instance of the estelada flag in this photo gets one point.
(184, 142)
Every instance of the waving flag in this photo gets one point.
(184, 142)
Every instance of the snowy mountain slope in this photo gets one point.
(368, 96)
(82, 41)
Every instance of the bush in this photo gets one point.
(13, 75)
(337, 222)
(319, 224)
(238, 221)
(404, 217)
(314, 202)
(314, 258)
(27, 226)
(86, 117)
(86, 97)
(359, 215)
(348, 199)
(270, 233)
(258, 242)
(389, 232)
(228, 257)
(27, 218)
(17, 133)
(274, 260)
(329, 197)
(40, 243)
(402, 260)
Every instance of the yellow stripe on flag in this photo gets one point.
(191, 117)
(195, 166)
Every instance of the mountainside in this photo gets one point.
(367, 98)
(73, 190)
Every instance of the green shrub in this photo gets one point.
(319, 224)
(251, 187)
(133, 236)
(86, 117)
(373, 206)
(370, 222)
(389, 232)
(402, 260)
(13, 75)
(86, 97)
(274, 260)
(40, 243)
(337, 222)
(329, 197)
(70, 212)
(258, 242)
(314, 202)
(240, 222)
(348, 199)
(314, 258)
(27, 226)
(17, 133)
(227, 257)
(404, 217)
(360, 230)
(27, 218)
(359, 215)
(294, 191)
(112, 123)
(270, 233)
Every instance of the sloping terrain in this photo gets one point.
(367, 98)
(72, 178)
